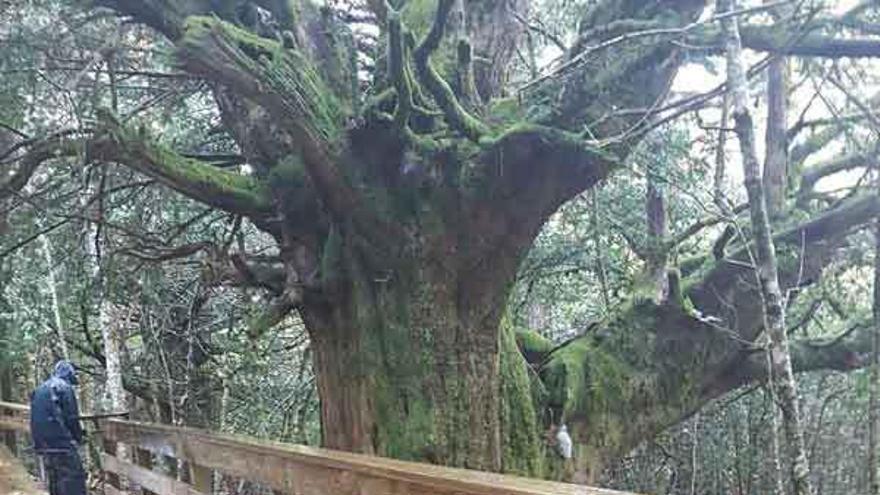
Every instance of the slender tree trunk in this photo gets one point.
(774, 465)
(776, 142)
(718, 195)
(7, 380)
(874, 388)
(776, 159)
(111, 325)
(655, 209)
(598, 254)
(695, 442)
(51, 281)
(783, 381)
(112, 334)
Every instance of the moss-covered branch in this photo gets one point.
(766, 38)
(289, 88)
(845, 352)
(455, 114)
(113, 142)
(396, 67)
(804, 250)
(793, 41)
(228, 191)
(283, 81)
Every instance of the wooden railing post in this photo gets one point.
(144, 458)
(6, 385)
(201, 478)
(110, 477)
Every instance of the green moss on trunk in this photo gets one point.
(522, 394)
(405, 371)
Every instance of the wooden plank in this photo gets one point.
(20, 408)
(160, 439)
(147, 478)
(111, 478)
(8, 423)
(201, 477)
(144, 459)
(312, 471)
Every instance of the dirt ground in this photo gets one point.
(14, 480)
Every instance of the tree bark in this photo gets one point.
(774, 464)
(776, 143)
(874, 386)
(55, 303)
(7, 380)
(111, 323)
(776, 158)
(411, 365)
(655, 208)
(783, 382)
(718, 194)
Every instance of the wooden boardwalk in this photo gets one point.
(14, 480)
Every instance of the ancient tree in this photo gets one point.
(400, 218)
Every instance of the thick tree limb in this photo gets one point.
(238, 270)
(814, 174)
(768, 39)
(115, 143)
(165, 16)
(669, 360)
(569, 164)
(846, 352)
(231, 192)
(763, 39)
(282, 81)
(397, 70)
(287, 86)
(40, 152)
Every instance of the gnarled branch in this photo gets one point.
(457, 117)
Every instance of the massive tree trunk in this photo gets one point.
(409, 367)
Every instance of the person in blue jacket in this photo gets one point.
(56, 431)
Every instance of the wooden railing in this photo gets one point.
(287, 468)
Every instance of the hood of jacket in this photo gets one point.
(64, 370)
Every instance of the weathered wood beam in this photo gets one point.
(313, 471)
(146, 478)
